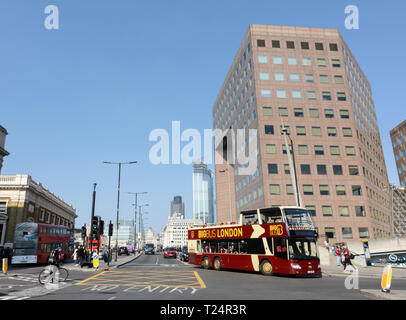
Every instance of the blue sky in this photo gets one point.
(93, 90)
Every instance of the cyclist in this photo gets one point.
(56, 257)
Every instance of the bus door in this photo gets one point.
(281, 253)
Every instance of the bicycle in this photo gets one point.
(52, 272)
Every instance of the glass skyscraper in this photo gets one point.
(203, 203)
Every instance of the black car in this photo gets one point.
(123, 250)
(184, 254)
(149, 249)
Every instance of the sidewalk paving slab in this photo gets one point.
(378, 294)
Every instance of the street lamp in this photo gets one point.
(294, 176)
(135, 214)
(141, 221)
(229, 192)
(118, 196)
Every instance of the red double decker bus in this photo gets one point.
(33, 242)
(277, 240)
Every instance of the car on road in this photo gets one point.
(170, 252)
(184, 255)
(149, 248)
(123, 250)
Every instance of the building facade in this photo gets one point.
(398, 137)
(203, 202)
(3, 152)
(175, 233)
(24, 200)
(125, 235)
(177, 206)
(398, 204)
(307, 81)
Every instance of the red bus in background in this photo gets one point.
(277, 240)
(33, 242)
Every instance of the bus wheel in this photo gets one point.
(217, 264)
(266, 268)
(206, 263)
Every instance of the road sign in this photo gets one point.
(95, 260)
(386, 278)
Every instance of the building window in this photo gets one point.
(343, 211)
(272, 168)
(277, 60)
(363, 233)
(347, 132)
(269, 129)
(283, 112)
(286, 168)
(276, 44)
(328, 113)
(319, 46)
(279, 76)
(338, 79)
(316, 131)
(324, 190)
(290, 44)
(314, 113)
(341, 96)
(292, 61)
(353, 170)
(296, 94)
(300, 130)
(263, 59)
(347, 233)
(298, 112)
(350, 151)
(326, 95)
(307, 61)
(303, 149)
(264, 76)
(274, 189)
(356, 190)
(3, 207)
(308, 189)
(340, 190)
(321, 169)
(330, 232)
(327, 210)
(332, 131)
(334, 150)
(333, 47)
(260, 43)
(338, 169)
(265, 93)
(294, 77)
(305, 169)
(344, 114)
(281, 94)
(312, 210)
(41, 214)
(324, 78)
(289, 189)
(305, 45)
(270, 149)
(267, 111)
(319, 150)
(335, 63)
(321, 62)
(360, 211)
(311, 95)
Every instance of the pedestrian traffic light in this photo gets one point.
(101, 227)
(110, 229)
(83, 232)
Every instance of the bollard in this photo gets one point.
(386, 278)
(5, 265)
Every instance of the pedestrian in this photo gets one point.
(337, 253)
(347, 257)
(75, 255)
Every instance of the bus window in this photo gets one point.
(242, 247)
(271, 215)
(255, 246)
(280, 249)
(302, 249)
(248, 219)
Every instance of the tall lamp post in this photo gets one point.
(118, 196)
(292, 166)
(135, 214)
(229, 192)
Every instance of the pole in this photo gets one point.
(135, 221)
(118, 208)
(294, 170)
(108, 252)
(91, 234)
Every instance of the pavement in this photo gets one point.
(374, 272)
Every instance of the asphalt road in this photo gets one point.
(155, 278)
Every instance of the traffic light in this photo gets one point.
(110, 229)
(101, 227)
(95, 225)
(83, 232)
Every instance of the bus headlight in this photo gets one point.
(296, 266)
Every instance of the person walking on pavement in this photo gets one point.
(75, 255)
(347, 259)
(337, 252)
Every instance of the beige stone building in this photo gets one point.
(3, 152)
(307, 81)
(22, 199)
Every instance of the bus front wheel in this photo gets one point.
(206, 263)
(266, 268)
